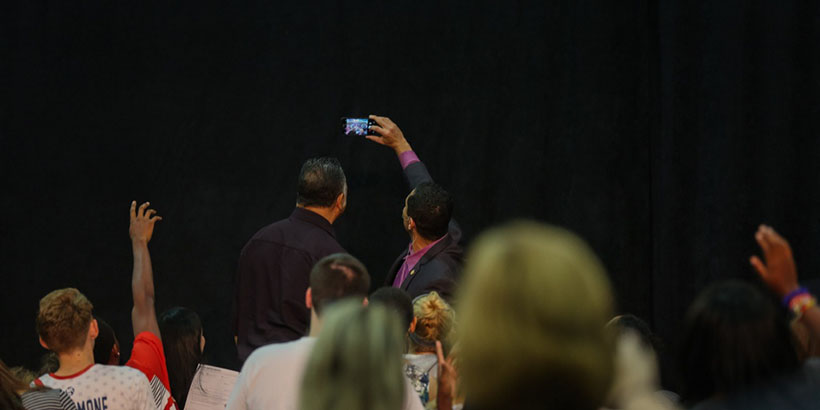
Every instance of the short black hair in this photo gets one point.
(321, 180)
(336, 277)
(105, 341)
(431, 207)
(396, 300)
(734, 336)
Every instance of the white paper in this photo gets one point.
(210, 388)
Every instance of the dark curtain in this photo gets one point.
(660, 131)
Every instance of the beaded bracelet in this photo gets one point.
(793, 294)
(801, 303)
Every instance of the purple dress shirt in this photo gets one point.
(412, 258)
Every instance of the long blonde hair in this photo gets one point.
(434, 321)
(532, 318)
(357, 361)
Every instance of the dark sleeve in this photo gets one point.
(416, 173)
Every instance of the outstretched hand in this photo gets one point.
(388, 134)
(779, 271)
(447, 379)
(142, 222)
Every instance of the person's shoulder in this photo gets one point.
(121, 373)
(266, 232)
(277, 351)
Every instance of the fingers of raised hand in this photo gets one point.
(133, 211)
(762, 240)
(759, 266)
(155, 218)
(141, 211)
(380, 130)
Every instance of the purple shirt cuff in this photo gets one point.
(407, 158)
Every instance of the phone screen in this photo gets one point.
(357, 126)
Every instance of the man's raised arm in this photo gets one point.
(143, 315)
(389, 134)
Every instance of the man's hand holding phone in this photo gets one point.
(388, 133)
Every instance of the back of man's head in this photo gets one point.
(321, 181)
(64, 319)
(431, 207)
(397, 300)
(337, 277)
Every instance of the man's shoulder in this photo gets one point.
(280, 352)
(124, 372)
(295, 234)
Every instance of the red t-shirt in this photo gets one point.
(148, 357)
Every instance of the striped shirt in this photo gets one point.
(47, 399)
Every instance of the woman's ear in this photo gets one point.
(43, 343)
(308, 299)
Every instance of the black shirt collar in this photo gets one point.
(313, 218)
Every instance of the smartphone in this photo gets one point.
(357, 126)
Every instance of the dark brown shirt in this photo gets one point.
(272, 277)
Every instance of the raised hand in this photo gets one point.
(388, 134)
(447, 379)
(142, 222)
(779, 271)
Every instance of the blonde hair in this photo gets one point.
(357, 361)
(434, 321)
(533, 311)
(63, 319)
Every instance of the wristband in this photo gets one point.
(801, 303)
(791, 295)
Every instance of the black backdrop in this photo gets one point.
(661, 131)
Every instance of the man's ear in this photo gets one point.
(340, 201)
(93, 330)
(308, 299)
(365, 302)
(413, 325)
(411, 224)
(43, 343)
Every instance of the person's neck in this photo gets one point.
(75, 361)
(418, 243)
(315, 324)
(326, 213)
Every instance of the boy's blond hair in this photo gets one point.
(64, 319)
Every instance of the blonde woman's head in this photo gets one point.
(434, 321)
(357, 360)
(533, 311)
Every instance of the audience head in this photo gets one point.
(65, 323)
(630, 323)
(734, 336)
(534, 304)
(336, 277)
(10, 389)
(183, 342)
(322, 184)
(427, 211)
(357, 360)
(398, 301)
(636, 377)
(434, 321)
(106, 345)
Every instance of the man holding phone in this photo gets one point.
(434, 259)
